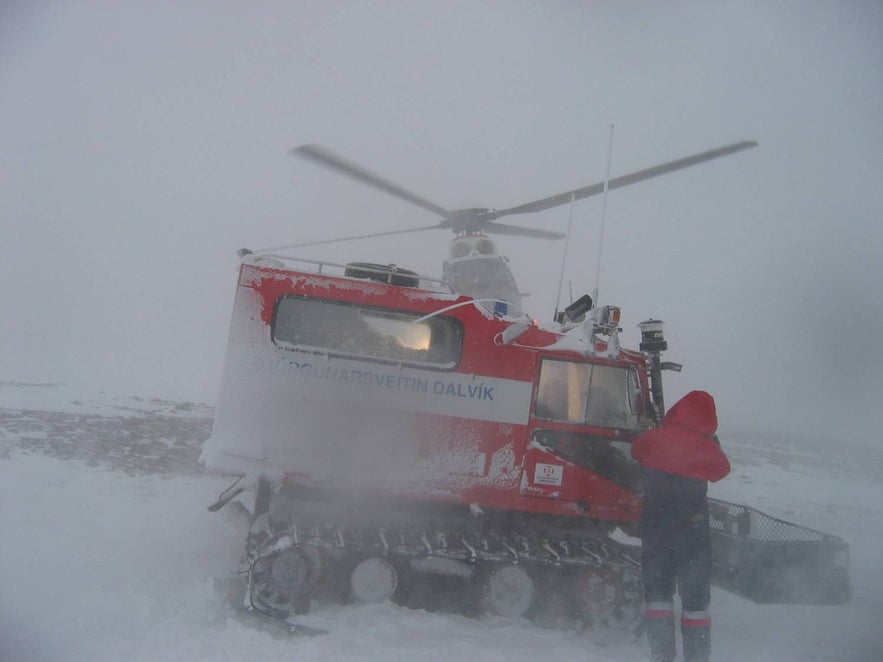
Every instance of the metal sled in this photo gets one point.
(769, 560)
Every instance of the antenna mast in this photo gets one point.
(564, 257)
(603, 217)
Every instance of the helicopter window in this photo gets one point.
(609, 458)
(482, 275)
(589, 394)
(342, 328)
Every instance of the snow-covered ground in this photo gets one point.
(106, 555)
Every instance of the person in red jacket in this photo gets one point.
(678, 460)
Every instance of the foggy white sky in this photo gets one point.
(141, 144)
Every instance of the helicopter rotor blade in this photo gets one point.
(518, 231)
(624, 180)
(329, 160)
(340, 239)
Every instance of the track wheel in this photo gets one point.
(280, 583)
(373, 580)
(510, 591)
(610, 602)
(599, 592)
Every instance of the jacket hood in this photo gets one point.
(695, 411)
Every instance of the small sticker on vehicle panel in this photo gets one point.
(548, 474)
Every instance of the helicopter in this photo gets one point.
(474, 266)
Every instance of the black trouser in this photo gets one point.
(676, 554)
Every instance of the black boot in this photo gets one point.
(696, 635)
(661, 634)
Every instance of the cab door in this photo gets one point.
(583, 418)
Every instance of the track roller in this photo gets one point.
(280, 583)
(373, 580)
(599, 591)
(510, 591)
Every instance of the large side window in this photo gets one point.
(590, 394)
(347, 329)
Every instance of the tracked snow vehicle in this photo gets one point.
(399, 433)
(391, 429)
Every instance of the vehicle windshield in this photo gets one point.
(589, 394)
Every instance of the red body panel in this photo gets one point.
(460, 435)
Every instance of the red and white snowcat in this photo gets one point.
(399, 433)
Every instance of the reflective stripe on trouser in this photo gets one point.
(696, 635)
(696, 618)
(659, 609)
(660, 622)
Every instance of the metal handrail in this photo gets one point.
(256, 258)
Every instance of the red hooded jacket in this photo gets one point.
(684, 445)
